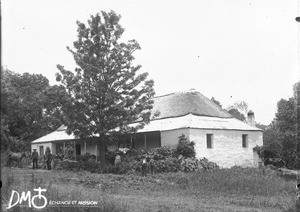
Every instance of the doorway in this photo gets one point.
(78, 149)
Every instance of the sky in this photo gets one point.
(231, 50)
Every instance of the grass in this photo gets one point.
(235, 189)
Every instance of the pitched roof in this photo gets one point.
(188, 102)
(58, 135)
(189, 109)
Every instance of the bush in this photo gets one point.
(189, 164)
(84, 158)
(91, 166)
(207, 165)
(278, 158)
(110, 157)
(168, 165)
(193, 164)
(185, 148)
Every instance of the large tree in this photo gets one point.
(237, 114)
(238, 110)
(26, 108)
(280, 137)
(105, 93)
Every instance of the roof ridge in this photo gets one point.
(192, 90)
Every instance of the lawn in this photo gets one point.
(233, 189)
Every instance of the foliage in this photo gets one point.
(110, 157)
(238, 110)
(10, 142)
(105, 94)
(236, 114)
(261, 126)
(27, 109)
(216, 102)
(159, 160)
(85, 158)
(185, 147)
(207, 165)
(168, 164)
(69, 152)
(280, 137)
(242, 106)
(193, 164)
(189, 164)
(161, 153)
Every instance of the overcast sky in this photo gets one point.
(232, 50)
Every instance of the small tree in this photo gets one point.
(105, 95)
(185, 147)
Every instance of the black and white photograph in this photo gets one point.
(150, 106)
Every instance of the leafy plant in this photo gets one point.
(185, 147)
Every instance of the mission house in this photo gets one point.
(218, 136)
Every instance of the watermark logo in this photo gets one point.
(16, 199)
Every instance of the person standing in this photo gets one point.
(151, 165)
(34, 158)
(48, 158)
(144, 166)
(117, 159)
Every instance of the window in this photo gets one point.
(245, 140)
(209, 141)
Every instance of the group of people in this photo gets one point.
(147, 165)
(47, 159)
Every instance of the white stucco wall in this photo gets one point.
(171, 137)
(45, 145)
(227, 148)
(91, 148)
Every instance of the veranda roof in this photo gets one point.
(198, 122)
(57, 135)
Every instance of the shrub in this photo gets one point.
(168, 165)
(207, 165)
(91, 166)
(84, 158)
(185, 148)
(189, 164)
(69, 152)
(110, 157)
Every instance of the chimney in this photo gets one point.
(251, 118)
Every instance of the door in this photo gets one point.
(78, 149)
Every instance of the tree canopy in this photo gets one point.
(106, 93)
(27, 111)
(280, 137)
(237, 114)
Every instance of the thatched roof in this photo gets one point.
(189, 109)
(188, 102)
